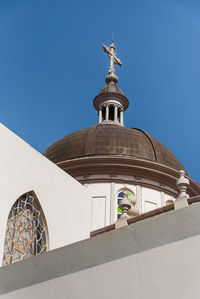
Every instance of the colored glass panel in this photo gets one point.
(25, 233)
(119, 197)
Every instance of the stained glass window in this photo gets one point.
(119, 197)
(25, 233)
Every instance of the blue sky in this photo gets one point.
(52, 66)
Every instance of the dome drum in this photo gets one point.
(118, 169)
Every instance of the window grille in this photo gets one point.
(25, 233)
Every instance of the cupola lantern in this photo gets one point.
(110, 102)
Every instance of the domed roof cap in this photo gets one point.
(111, 88)
(112, 139)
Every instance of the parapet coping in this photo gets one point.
(135, 238)
(143, 216)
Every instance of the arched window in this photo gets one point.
(26, 230)
(119, 197)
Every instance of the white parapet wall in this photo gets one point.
(65, 202)
(155, 258)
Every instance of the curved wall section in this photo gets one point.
(22, 168)
(104, 201)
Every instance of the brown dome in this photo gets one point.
(111, 139)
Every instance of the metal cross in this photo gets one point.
(113, 60)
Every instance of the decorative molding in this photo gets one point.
(121, 166)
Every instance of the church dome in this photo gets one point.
(111, 139)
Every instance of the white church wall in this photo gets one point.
(98, 208)
(65, 202)
(151, 199)
(152, 184)
(100, 204)
(104, 196)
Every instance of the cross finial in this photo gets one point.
(112, 77)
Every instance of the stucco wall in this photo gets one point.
(65, 202)
(160, 273)
(154, 258)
